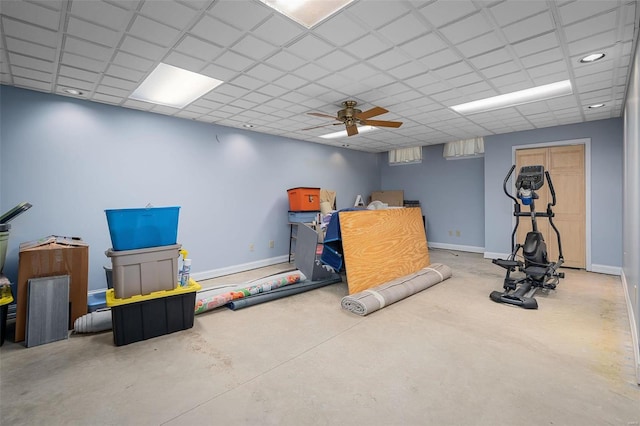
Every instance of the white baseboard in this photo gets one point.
(472, 249)
(606, 269)
(495, 255)
(633, 324)
(234, 269)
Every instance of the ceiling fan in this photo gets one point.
(351, 116)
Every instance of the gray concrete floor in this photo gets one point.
(446, 356)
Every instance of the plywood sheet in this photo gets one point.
(381, 245)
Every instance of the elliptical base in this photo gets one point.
(506, 297)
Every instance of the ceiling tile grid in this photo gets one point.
(414, 58)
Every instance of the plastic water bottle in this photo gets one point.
(186, 270)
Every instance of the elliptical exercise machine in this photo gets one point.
(538, 271)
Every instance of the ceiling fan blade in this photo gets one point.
(352, 130)
(371, 113)
(317, 127)
(382, 123)
(319, 114)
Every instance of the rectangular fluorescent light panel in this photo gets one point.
(343, 133)
(173, 86)
(307, 12)
(539, 93)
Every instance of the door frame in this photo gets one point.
(587, 184)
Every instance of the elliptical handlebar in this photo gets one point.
(504, 185)
(553, 192)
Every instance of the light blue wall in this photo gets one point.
(606, 185)
(73, 159)
(451, 194)
(631, 224)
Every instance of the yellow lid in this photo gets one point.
(5, 295)
(113, 301)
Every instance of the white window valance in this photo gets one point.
(464, 149)
(405, 155)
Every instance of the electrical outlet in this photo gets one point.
(457, 233)
(450, 233)
(272, 244)
(251, 247)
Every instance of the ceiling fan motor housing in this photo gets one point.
(348, 115)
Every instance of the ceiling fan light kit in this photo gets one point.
(353, 117)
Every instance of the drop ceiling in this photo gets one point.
(414, 58)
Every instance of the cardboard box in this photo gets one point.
(51, 256)
(392, 198)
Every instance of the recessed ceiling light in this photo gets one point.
(173, 86)
(248, 126)
(592, 58)
(343, 133)
(594, 106)
(74, 92)
(307, 12)
(539, 93)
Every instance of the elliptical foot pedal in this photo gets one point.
(535, 270)
(508, 264)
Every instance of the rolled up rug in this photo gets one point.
(375, 298)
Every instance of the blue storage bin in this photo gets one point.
(132, 229)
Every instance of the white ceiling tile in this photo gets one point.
(86, 48)
(74, 83)
(486, 60)
(131, 103)
(595, 25)
(309, 47)
(31, 13)
(82, 62)
(509, 12)
(578, 10)
(80, 74)
(278, 30)
(531, 27)
(197, 48)
(340, 30)
(403, 29)
(464, 80)
(377, 13)
(247, 82)
(241, 14)
(125, 73)
(480, 44)
(118, 82)
(113, 91)
(233, 61)
(105, 98)
(453, 70)
(253, 47)
(32, 74)
(285, 61)
(367, 46)
(440, 59)
(471, 89)
(290, 82)
(231, 90)
(32, 84)
(506, 80)
(29, 32)
(30, 49)
(102, 13)
(467, 28)
(168, 12)
(186, 62)
(550, 78)
(142, 48)
(32, 63)
(336, 60)
(443, 12)
(593, 43)
(421, 80)
(536, 44)
(265, 72)
(132, 61)
(311, 71)
(408, 70)
(551, 55)
(153, 31)
(423, 46)
(389, 59)
(95, 33)
(218, 72)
